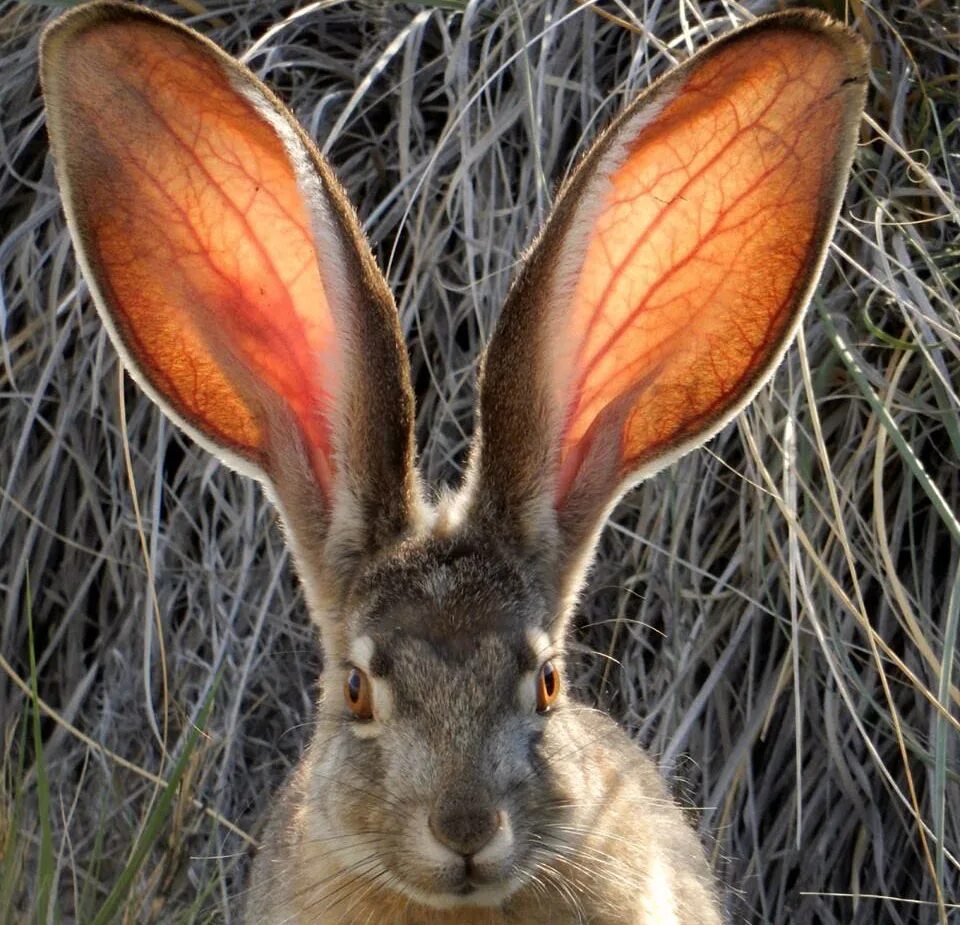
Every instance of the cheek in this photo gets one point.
(410, 766)
(563, 761)
(355, 780)
(513, 755)
(527, 694)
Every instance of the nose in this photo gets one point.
(465, 830)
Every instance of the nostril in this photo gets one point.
(465, 831)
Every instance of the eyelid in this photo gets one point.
(542, 647)
(360, 653)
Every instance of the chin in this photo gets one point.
(480, 896)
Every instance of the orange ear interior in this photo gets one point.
(196, 234)
(707, 240)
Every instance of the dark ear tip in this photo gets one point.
(84, 17)
(80, 19)
(848, 42)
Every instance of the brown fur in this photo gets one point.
(452, 612)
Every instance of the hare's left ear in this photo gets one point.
(231, 272)
(669, 280)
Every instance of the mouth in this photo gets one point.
(467, 889)
(472, 881)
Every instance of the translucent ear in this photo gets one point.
(226, 263)
(672, 275)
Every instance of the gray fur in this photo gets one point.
(452, 612)
(448, 616)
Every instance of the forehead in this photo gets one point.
(457, 598)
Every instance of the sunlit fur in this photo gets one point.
(455, 626)
(456, 802)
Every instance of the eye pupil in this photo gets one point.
(354, 684)
(549, 679)
(358, 694)
(548, 687)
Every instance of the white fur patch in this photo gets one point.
(382, 700)
(452, 506)
(500, 847)
(368, 730)
(425, 846)
(659, 907)
(361, 652)
(540, 643)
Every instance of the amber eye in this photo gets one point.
(548, 687)
(358, 693)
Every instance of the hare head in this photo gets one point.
(451, 775)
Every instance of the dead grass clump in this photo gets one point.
(775, 616)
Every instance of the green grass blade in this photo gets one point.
(46, 868)
(156, 821)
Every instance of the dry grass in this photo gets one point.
(776, 616)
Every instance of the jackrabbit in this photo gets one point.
(453, 780)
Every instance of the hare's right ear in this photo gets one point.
(230, 270)
(669, 280)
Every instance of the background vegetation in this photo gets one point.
(775, 617)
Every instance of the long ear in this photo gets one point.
(670, 278)
(230, 270)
